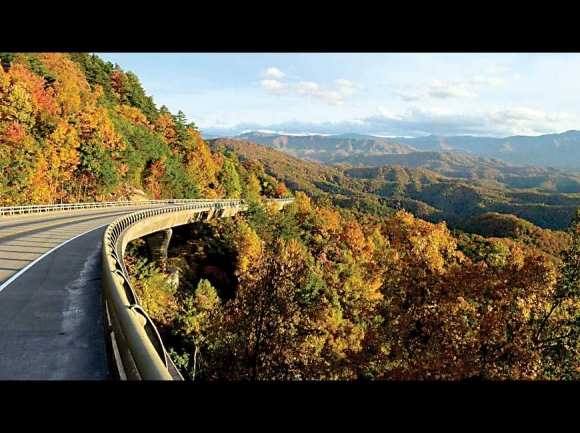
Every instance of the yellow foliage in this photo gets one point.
(304, 204)
(293, 250)
(41, 192)
(71, 86)
(354, 238)
(63, 143)
(428, 243)
(132, 115)
(326, 222)
(165, 127)
(94, 123)
(16, 105)
(249, 249)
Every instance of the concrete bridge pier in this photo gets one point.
(157, 244)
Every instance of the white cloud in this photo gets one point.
(491, 81)
(442, 90)
(345, 87)
(331, 97)
(417, 121)
(423, 120)
(518, 115)
(275, 86)
(275, 72)
(518, 76)
(430, 112)
(410, 96)
(307, 87)
(438, 90)
(311, 89)
(387, 114)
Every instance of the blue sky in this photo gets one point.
(385, 94)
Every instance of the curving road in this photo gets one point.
(51, 325)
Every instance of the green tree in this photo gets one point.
(252, 188)
(229, 179)
(193, 322)
(139, 99)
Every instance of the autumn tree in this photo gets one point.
(121, 85)
(27, 113)
(198, 313)
(97, 72)
(447, 317)
(269, 331)
(100, 152)
(559, 331)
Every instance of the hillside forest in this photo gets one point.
(329, 288)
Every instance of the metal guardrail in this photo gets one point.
(16, 210)
(138, 349)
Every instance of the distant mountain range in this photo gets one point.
(327, 149)
(552, 150)
(443, 187)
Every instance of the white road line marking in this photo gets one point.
(27, 267)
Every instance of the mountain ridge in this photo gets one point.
(559, 151)
(427, 194)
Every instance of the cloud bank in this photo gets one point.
(420, 121)
(336, 95)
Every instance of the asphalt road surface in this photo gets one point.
(51, 324)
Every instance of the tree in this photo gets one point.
(252, 188)
(559, 332)
(229, 179)
(270, 329)
(194, 322)
(139, 99)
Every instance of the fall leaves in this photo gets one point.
(73, 128)
(335, 298)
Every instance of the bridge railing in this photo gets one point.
(17, 210)
(137, 347)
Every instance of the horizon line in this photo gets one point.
(379, 135)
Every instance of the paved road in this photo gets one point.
(51, 325)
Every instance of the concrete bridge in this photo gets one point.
(67, 308)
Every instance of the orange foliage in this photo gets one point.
(281, 190)
(199, 163)
(249, 250)
(95, 124)
(353, 236)
(428, 243)
(12, 134)
(71, 88)
(41, 96)
(119, 83)
(153, 175)
(41, 191)
(326, 222)
(165, 127)
(466, 319)
(63, 144)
